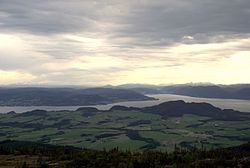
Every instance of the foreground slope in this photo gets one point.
(27, 154)
(158, 127)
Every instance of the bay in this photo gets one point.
(240, 105)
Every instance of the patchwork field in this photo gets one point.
(126, 129)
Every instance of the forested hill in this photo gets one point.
(30, 154)
(180, 108)
(66, 96)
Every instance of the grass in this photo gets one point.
(72, 128)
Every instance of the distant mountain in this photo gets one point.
(128, 86)
(206, 90)
(144, 90)
(235, 86)
(211, 91)
(198, 91)
(66, 96)
(243, 94)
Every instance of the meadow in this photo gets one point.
(126, 129)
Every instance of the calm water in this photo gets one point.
(241, 105)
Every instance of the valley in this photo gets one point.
(159, 127)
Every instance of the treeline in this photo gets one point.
(59, 156)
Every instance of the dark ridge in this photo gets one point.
(179, 108)
(34, 113)
(123, 108)
(11, 113)
(87, 109)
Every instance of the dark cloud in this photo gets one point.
(166, 23)
(147, 22)
(46, 17)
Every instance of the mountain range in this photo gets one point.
(239, 91)
(35, 96)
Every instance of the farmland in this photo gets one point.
(131, 129)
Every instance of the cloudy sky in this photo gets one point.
(87, 42)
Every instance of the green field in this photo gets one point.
(127, 130)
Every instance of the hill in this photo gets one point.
(158, 127)
(66, 96)
(180, 108)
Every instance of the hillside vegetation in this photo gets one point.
(26, 154)
(66, 96)
(158, 127)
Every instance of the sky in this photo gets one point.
(87, 42)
